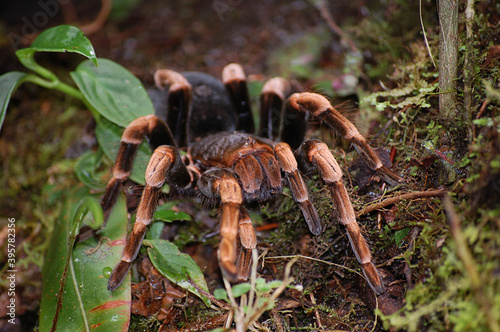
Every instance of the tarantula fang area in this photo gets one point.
(226, 162)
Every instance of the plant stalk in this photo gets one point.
(448, 58)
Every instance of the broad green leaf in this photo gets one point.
(85, 170)
(154, 231)
(165, 213)
(8, 85)
(62, 38)
(176, 266)
(113, 91)
(87, 304)
(109, 135)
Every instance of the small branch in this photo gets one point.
(96, 25)
(327, 16)
(425, 34)
(396, 199)
(220, 304)
(467, 259)
(259, 310)
(407, 268)
(316, 313)
(462, 246)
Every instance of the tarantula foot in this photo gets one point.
(391, 300)
(373, 278)
(118, 275)
(389, 176)
(388, 304)
(237, 270)
(244, 264)
(229, 270)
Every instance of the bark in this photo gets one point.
(468, 62)
(448, 55)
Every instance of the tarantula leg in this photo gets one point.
(157, 133)
(221, 183)
(244, 264)
(288, 163)
(235, 81)
(275, 91)
(179, 100)
(320, 107)
(165, 165)
(248, 240)
(293, 125)
(314, 154)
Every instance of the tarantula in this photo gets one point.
(212, 121)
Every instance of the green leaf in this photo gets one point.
(113, 91)
(63, 38)
(400, 234)
(266, 287)
(165, 213)
(85, 170)
(8, 85)
(240, 289)
(486, 122)
(154, 231)
(86, 304)
(109, 135)
(176, 266)
(259, 283)
(221, 294)
(261, 301)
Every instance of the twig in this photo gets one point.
(391, 120)
(279, 324)
(483, 107)
(220, 304)
(259, 309)
(407, 268)
(96, 25)
(315, 260)
(327, 16)
(396, 199)
(316, 313)
(467, 259)
(425, 34)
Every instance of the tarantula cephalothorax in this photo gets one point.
(226, 162)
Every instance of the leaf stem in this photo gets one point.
(55, 84)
